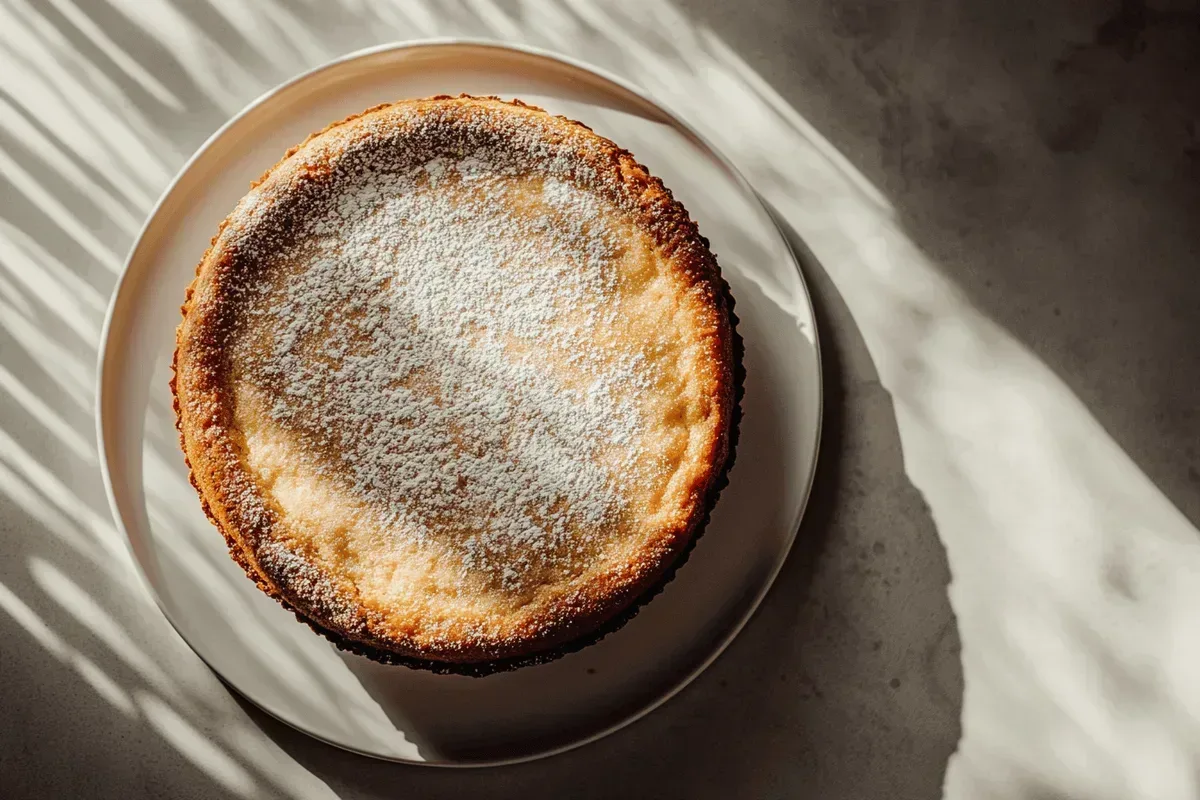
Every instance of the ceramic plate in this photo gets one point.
(393, 712)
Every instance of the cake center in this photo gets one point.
(445, 344)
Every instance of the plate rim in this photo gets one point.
(676, 120)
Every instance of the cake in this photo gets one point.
(457, 381)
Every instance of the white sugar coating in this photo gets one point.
(435, 335)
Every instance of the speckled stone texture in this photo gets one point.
(997, 205)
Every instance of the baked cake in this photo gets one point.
(456, 380)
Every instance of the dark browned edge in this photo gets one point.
(481, 669)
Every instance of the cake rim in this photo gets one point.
(607, 604)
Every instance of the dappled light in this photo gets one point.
(93, 675)
(1072, 574)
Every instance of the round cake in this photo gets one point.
(457, 382)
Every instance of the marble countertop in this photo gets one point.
(996, 589)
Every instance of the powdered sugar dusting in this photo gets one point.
(432, 330)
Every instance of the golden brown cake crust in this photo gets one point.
(233, 494)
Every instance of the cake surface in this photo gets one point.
(456, 381)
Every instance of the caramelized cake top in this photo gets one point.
(456, 379)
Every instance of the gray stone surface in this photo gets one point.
(998, 207)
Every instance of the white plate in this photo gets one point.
(393, 712)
